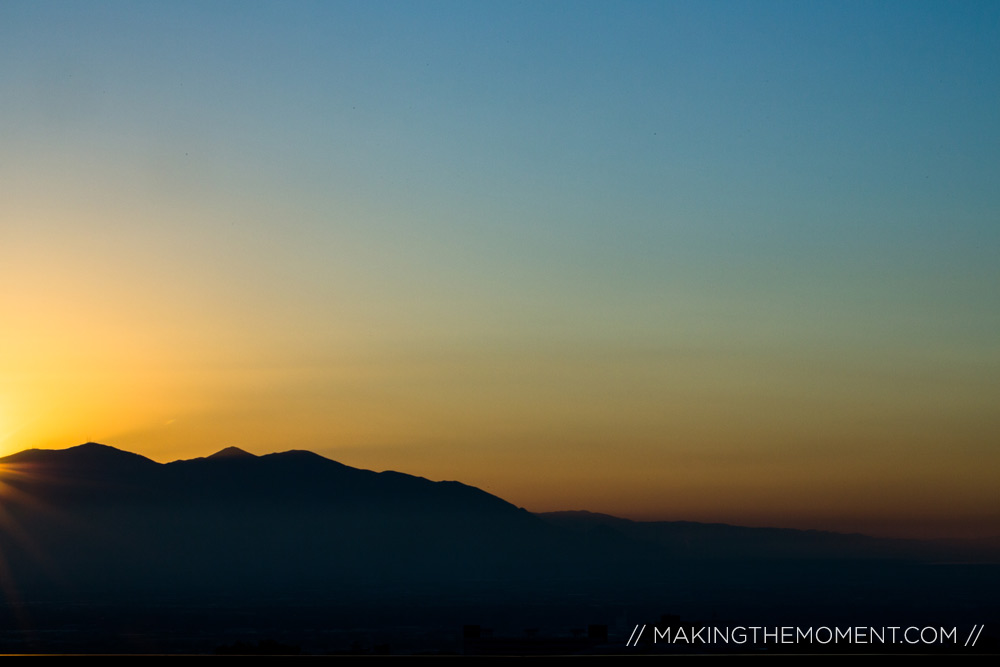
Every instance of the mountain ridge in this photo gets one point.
(94, 525)
(109, 462)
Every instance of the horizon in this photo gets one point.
(577, 510)
(723, 262)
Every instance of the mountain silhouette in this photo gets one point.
(718, 541)
(230, 452)
(295, 518)
(94, 525)
(113, 518)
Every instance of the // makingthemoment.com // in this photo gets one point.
(753, 635)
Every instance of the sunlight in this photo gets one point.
(8, 429)
(13, 530)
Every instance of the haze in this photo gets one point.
(706, 261)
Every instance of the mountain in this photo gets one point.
(293, 539)
(689, 540)
(115, 519)
(231, 453)
(109, 518)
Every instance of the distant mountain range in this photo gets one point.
(96, 525)
(93, 517)
(718, 541)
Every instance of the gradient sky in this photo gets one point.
(718, 261)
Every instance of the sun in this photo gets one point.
(9, 427)
(6, 434)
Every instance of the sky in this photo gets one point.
(713, 261)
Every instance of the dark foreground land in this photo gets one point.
(109, 552)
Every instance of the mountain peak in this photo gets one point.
(94, 447)
(231, 453)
